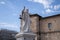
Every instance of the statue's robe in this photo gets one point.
(26, 23)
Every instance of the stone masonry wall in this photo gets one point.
(55, 21)
(35, 25)
(50, 36)
(54, 33)
(41, 28)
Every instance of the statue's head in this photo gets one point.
(25, 10)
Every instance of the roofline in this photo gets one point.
(44, 17)
(51, 16)
(35, 15)
(31, 15)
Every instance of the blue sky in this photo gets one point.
(11, 9)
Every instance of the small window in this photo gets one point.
(33, 39)
(49, 26)
(24, 38)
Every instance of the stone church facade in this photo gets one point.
(47, 28)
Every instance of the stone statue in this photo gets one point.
(25, 21)
(25, 33)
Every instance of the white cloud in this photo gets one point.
(8, 25)
(48, 10)
(56, 7)
(46, 3)
(2, 2)
(9, 5)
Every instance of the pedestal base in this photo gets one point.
(25, 36)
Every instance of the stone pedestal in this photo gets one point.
(25, 36)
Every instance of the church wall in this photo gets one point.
(34, 23)
(35, 26)
(40, 27)
(55, 24)
(50, 36)
(54, 32)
